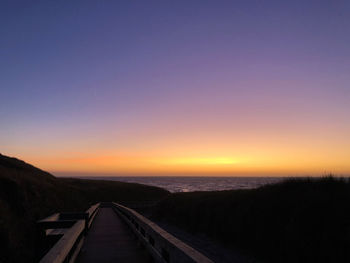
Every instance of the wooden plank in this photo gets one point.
(77, 251)
(110, 240)
(57, 232)
(92, 212)
(167, 244)
(62, 248)
(92, 209)
(71, 227)
(53, 217)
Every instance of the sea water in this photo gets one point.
(190, 184)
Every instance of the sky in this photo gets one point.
(176, 87)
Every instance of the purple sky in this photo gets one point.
(140, 77)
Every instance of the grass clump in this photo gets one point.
(298, 220)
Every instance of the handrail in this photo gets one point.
(163, 246)
(66, 244)
(92, 212)
(70, 227)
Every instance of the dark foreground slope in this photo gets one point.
(28, 194)
(295, 221)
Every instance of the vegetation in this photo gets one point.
(28, 194)
(299, 220)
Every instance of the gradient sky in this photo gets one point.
(176, 87)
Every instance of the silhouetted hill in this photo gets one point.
(19, 165)
(28, 194)
(299, 220)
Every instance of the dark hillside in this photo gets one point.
(301, 220)
(28, 194)
(103, 190)
(19, 165)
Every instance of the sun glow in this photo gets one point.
(200, 161)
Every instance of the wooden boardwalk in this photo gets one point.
(110, 240)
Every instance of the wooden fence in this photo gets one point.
(68, 231)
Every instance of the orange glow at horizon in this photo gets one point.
(264, 162)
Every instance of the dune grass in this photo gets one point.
(298, 220)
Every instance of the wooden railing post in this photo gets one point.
(70, 229)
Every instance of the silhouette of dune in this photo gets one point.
(299, 220)
(28, 194)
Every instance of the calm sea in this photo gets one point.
(190, 184)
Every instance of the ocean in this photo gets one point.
(191, 184)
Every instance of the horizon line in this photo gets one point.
(116, 174)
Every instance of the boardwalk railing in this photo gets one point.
(163, 247)
(67, 231)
